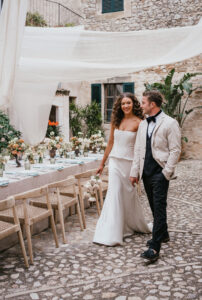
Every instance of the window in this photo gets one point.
(53, 114)
(113, 90)
(109, 6)
(96, 92)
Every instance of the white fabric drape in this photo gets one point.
(12, 23)
(51, 55)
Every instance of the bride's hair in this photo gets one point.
(117, 112)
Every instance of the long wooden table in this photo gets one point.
(29, 183)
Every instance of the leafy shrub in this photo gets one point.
(87, 120)
(7, 131)
(53, 127)
(92, 118)
(35, 19)
(75, 119)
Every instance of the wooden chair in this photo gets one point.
(62, 195)
(7, 228)
(29, 214)
(82, 179)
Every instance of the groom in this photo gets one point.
(157, 150)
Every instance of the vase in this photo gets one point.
(1, 169)
(40, 159)
(52, 153)
(27, 165)
(94, 150)
(77, 152)
(17, 161)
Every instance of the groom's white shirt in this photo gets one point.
(165, 143)
(152, 125)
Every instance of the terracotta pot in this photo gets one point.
(52, 153)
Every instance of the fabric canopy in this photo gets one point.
(51, 55)
(12, 23)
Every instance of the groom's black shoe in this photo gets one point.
(164, 240)
(150, 255)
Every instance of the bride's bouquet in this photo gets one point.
(92, 186)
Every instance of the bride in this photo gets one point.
(122, 214)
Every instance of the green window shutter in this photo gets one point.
(96, 92)
(117, 5)
(106, 6)
(112, 5)
(129, 87)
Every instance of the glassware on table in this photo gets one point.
(72, 155)
(27, 165)
(52, 160)
(85, 154)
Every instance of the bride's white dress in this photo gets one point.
(122, 213)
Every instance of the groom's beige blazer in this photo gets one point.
(165, 143)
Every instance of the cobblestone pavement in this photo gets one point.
(82, 270)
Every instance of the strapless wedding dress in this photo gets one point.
(122, 213)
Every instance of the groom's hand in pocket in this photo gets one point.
(134, 180)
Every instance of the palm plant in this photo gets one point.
(176, 95)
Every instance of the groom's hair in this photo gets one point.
(154, 96)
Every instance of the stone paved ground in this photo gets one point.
(82, 270)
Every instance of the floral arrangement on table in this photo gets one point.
(92, 186)
(29, 154)
(40, 150)
(85, 144)
(53, 143)
(17, 147)
(96, 141)
(76, 142)
(65, 148)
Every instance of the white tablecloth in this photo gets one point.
(18, 180)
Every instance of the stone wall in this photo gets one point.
(142, 14)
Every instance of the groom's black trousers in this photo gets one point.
(156, 187)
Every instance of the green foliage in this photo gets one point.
(92, 118)
(69, 25)
(75, 119)
(53, 128)
(35, 19)
(7, 131)
(87, 120)
(176, 95)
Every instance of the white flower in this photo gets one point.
(2, 139)
(52, 133)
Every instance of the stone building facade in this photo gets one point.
(150, 14)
